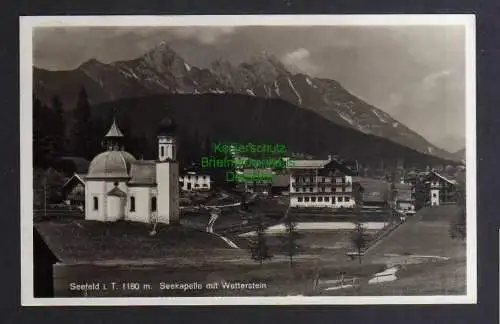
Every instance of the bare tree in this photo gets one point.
(358, 238)
(291, 238)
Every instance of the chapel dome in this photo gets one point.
(111, 164)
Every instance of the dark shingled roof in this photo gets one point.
(403, 192)
(143, 173)
(342, 166)
(281, 180)
(374, 190)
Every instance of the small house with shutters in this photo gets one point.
(195, 181)
(440, 190)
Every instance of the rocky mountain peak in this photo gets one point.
(163, 58)
(91, 63)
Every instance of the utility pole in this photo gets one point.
(45, 198)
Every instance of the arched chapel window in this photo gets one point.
(96, 203)
(132, 204)
(153, 204)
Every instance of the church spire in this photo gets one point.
(114, 131)
(113, 140)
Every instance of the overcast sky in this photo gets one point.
(416, 74)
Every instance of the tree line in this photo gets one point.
(61, 131)
(58, 132)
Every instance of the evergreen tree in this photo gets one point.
(420, 195)
(292, 235)
(83, 129)
(58, 126)
(258, 246)
(43, 139)
(458, 226)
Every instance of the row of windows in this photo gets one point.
(196, 185)
(162, 151)
(322, 189)
(132, 204)
(318, 179)
(323, 199)
(196, 178)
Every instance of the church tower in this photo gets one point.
(167, 173)
(114, 138)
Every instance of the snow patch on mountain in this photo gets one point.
(188, 68)
(299, 99)
(346, 118)
(277, 88)
(395, 125)
(267, 91)
(382, 119)
(128, 72)
(250, 92)
(310, 83)
(93, 78)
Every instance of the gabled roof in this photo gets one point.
(114, 131)
(116, 192)
(75, 177)
(322, 164)
(403, 192)
(143, 172)
(308, 164)
(453, 182)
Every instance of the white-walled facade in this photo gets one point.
(191, 181)
(118, 187)
(318, 183)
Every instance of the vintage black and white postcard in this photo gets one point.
(199, 160)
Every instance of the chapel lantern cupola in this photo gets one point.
(166, 140)
(113, 140)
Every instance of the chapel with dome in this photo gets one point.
(119, 187)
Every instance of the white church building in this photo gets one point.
(119, 187)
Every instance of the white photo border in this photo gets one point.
(28, 23)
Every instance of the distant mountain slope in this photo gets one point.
(163, 71)
(460, 154)
(451, 143)
(233, 117)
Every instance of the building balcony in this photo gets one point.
(322, 184)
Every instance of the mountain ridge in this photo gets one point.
(163, 71)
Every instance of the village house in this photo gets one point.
(119, 187)
(374, 193)
(321, 183)
(73, 190)
(193, 181)
(440, 190)
(403, 200)
(272, 181)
